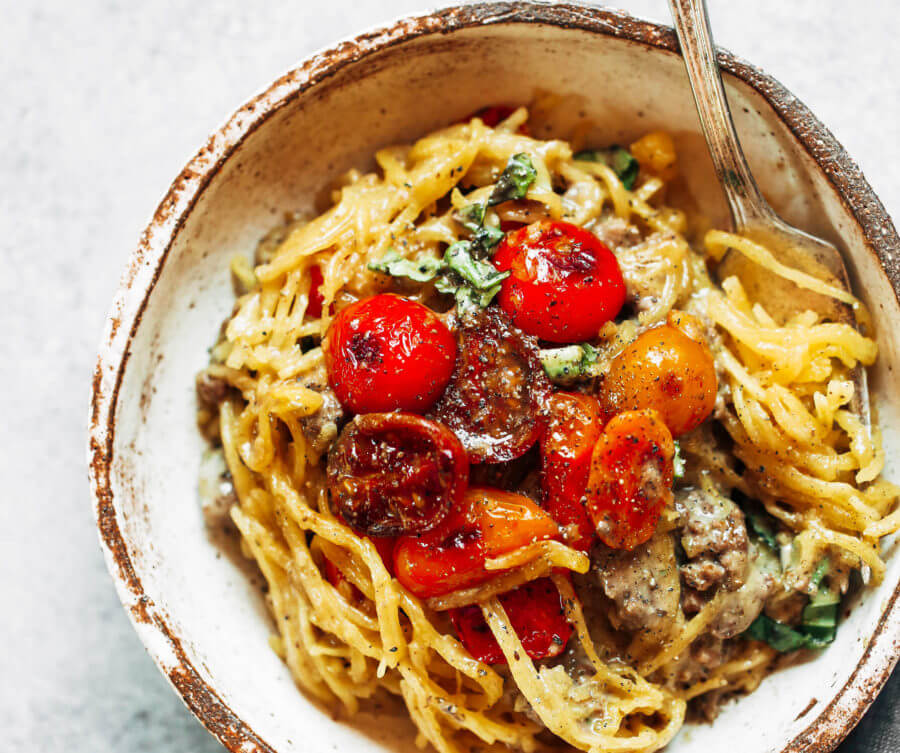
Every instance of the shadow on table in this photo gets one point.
(879, 731)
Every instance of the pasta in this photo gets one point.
(781, 435)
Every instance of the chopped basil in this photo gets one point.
(678, 465)
(423, 268)
(620, 160)
(818, 623)
(763, 529)
(484, 237)
(515, 180)
(478, 274)
(468, 298)
(569, 362)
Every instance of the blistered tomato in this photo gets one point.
(564, 284)
(388, 353)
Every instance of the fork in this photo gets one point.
(750, 212)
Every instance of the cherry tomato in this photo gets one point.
(564, 283)
(334, 576)
(535, 611)
(631, 478)
(496, 399)
(395, 473)
(566, 449)
(388, 353)
(493, 115)
(487, 523)
(668, 368)
(316, 299)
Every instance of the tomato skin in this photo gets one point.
(631, 478)
(496, 399)
(316, 299)
(388, 353)
(488, 522)
(668, 368)
(564, 284)
(395, 473)
(566, 450)
(535, 611)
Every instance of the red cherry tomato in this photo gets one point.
(535, 611)
(487, 523)
(388, 353)
(564, 283)
(566, 449)
(496, 400)
(631, 478)
(395, 473)
(334, 576)
(494, 115)
(316, 299)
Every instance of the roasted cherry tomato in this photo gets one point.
(566, 449)
(631, 478)
(487, 523)
(385, 547)
(388, 353)
(316, 299)
(496, 400)
(668, 368)
(535, 611)
(395, 473)
(494, 115)
(564, 284)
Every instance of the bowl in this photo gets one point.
(200, 616)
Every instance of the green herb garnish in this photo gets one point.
(678, 464)
(423, 268)
(569, 362)
(484, 237)
(765, 532)
(620, 160)
(478, 274)
(515, 180)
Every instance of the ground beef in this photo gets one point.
(321, 428)
(714, 539)
(642, 583)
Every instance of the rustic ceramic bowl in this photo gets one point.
(201, 618)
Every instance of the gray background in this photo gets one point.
(102, 103)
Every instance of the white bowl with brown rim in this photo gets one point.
(199, 614)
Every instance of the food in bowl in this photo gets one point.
(501, 446)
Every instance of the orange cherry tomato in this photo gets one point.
(564, 284)
(489, 522)
(388, 353)
(566, 449)
(395, 473)
(316, 299)
(668, 368)
(536, 613)
(631, 477)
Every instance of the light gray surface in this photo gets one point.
(102, 103)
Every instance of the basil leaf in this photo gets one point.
(446, 285)
(569, 362)
(515, 180)
(421, 269)
(484, 237)
(479, 274)
(779, 636)
(763, 529)
(620, 160)
(469, 299)
(678, 464)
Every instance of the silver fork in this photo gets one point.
(751, 213)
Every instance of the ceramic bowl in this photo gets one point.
(200, 616)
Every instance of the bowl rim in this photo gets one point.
(146, 262)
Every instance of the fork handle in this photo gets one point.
(747, 204)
